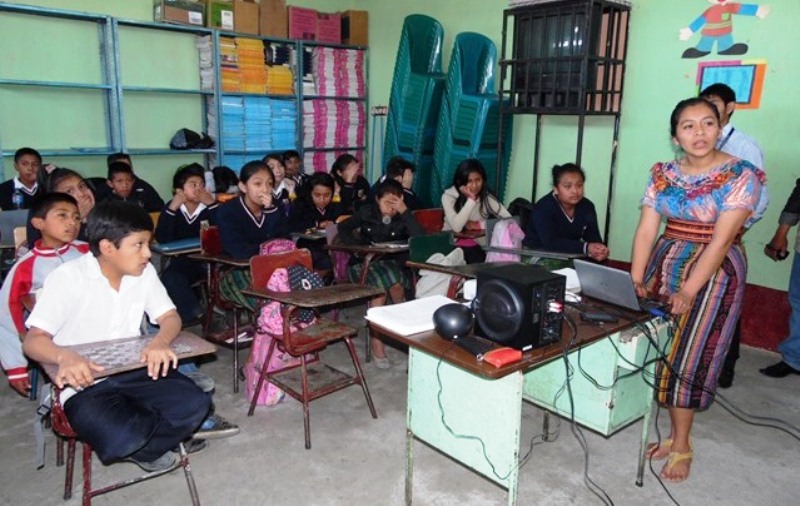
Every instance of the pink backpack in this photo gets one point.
(276, 246)
(270, 322)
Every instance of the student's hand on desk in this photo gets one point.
(75, 370)
(597, 251)
(159, 357)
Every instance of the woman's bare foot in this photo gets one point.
(659, 451)
(677, 467)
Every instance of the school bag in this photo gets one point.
(276, 246)
(506, 234)
(432, 283)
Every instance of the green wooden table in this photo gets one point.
(455, 401)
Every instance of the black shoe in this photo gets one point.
(779, 370)
(693, 52)
(725, 379)
(217, 427)
(162, 463)
(735, 49)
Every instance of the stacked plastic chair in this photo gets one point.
(415, 100)
(469, 119)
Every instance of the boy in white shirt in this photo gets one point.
(140, 415)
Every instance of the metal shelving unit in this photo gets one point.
(125, 97)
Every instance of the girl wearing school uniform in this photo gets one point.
(315, 211)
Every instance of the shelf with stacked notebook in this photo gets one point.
(334, 91)
(256, 112)
(63, 62)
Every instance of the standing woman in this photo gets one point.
(708, 197)
(468, 204)
(564, 221)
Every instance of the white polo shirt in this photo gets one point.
(77, 304)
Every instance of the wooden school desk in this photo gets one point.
(370, 252)
(480, 400)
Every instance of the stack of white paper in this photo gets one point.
(410, 317)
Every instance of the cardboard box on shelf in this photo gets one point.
(302, 23)
(355, 28)
(273, 19)
(329, 28)
(219, 14)
(245, 16)
(179, 11)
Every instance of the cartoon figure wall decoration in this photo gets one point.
(717, 26)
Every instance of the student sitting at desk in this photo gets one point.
(122, 181)
(139, 191)
(352, 189)
(282, 188)
(314, 212)
(56, 216)
(20, 191)
(468, 204)
(63, 180)
(386, 219)
(246, 222)
(181, 219)
(564, 221)
(103, 296)
(294, 170)
(402, 171)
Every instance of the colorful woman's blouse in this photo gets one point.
(736, 184)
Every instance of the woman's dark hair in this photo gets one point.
(273, 156)
(113, 220)
(390, 186)
(567, 168)
(397, 166)
(251, 168)
(340, 164)
(461, 178)
(185, 172)
(289, 154)
(684, 104)
(48, 181)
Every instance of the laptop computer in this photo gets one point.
(9, 220)
(611, 285)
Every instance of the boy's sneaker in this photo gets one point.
(162, 463)
(216, 427)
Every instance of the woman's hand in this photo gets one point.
(399, 205)
(467, 193)
(597, 251)
(641, 291)
(680, 302)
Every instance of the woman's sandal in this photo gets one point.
(653, 450)
(673, 460)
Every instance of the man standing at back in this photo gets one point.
(737, 143)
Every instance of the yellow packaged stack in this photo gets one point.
(229, 64)
(252, 67)
(280, 80)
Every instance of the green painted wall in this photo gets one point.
(656, 79)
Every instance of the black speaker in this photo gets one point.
(520, 306)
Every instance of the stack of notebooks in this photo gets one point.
(206, 58)
(280, 80)
(338, 72)
(229, 64)
(321, 161)
(252, 67)
(233, 123)
(257, 124)
(284, 124)
(333, 123)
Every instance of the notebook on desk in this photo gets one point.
(179, 245)
(614, 286)
(9, 220)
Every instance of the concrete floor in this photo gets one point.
(356, 460)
